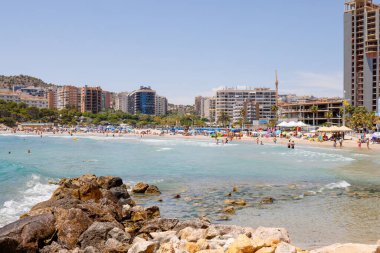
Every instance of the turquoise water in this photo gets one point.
(322, 195)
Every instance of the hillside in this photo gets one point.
(9, 81)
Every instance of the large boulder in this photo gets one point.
(153, 190)
(242, 244)
(26, 235)
(108, 182)
(120, 192)
(95, 235)
(284, 247)
(140, 187)
(272, 234)
(70, 224)
(141, 246)
(348, 248)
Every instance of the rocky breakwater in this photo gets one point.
(97, 214)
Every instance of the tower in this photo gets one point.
(276, 89)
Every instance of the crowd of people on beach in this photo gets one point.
(221, 136)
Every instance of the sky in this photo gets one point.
(181, 48)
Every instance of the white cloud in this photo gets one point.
(317, 84)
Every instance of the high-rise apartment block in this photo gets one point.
(142, 101)
(161, 106)
(68, 97)
(91, 99)
(362, 53)
(228, 99)
(121, 101)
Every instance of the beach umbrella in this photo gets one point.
(376, 135)
(323, 129)
(283, 124)
(345, 129)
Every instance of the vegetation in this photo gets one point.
(9, 81)
(314, 110)
(12, 113)
(359, 118)
(224, 119)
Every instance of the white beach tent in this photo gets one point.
(283, 124)
(301, 124)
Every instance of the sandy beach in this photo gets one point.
(350, 143)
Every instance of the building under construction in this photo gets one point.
(361, 53)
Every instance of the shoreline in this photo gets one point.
(350, 145)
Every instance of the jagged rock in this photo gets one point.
(266, 250)
(203, 244)
(177, 196)
(348, 248)
(48, 205)
(70, 224)
(163, 237)
(211, 232)
(140, 187)
(191, 247)
(26, 234)
(95, 235)
(157, 225)
(142, 246)
(284, 247)
(191, 234)
(152, 212)
(120, 192)
(108, 182)
(166, 248)
(195, 223)
(152, 189)
(272, 234)
(91, 249)
(237, 202)
(138, 213)
(119, 234)
(235, 189)
(232, 231)
(104, 211)
(267, 200)
(53, 248)
(242, 244)
(114, 246)
(229, 210)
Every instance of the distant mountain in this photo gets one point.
(9, 81)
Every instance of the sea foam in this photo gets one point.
(34, 192)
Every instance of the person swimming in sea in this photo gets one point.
(29, 151)
(293, 145)
(261, 143)
(289, 144)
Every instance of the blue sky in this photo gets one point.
(182, 48)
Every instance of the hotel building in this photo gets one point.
(228, 99)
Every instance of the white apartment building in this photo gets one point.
(229, 99)
(121, 102)
(161, 105)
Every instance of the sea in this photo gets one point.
(321, 195)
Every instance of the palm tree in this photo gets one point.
(223, 118)
(243, 116)
(314, 110)
(329, 115)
